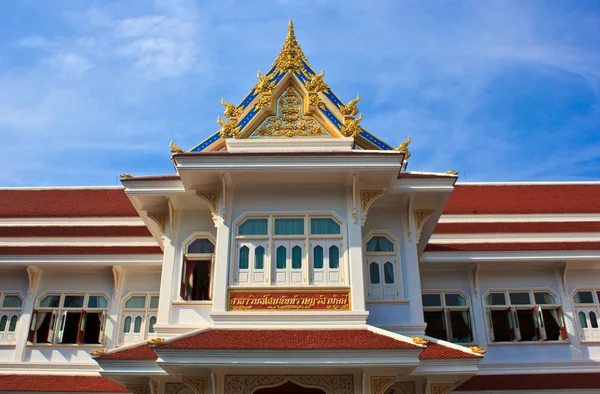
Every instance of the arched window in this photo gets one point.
(281, 257)
(244, 254)
(139, 311)
(334, 257)
(587, 304)
(10, 312)
(296, 257)
(318, 257)
(201, 245)
(582, 320)
(196, 270)
(380, 251)
(259, 258)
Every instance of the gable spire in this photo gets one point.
(291, 56)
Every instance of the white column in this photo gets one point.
(112, 329)
(25, 319)
(355, 254)
(221, 281)
(167, 282)
(413, 278)
(479, 327)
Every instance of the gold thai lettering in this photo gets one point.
(240, 300)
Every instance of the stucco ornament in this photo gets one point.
(380, 383)
(199, 385)
(402, 388)
(139, 388)
(174, 388)
(441, 388)
(332, 384)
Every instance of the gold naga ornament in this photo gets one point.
(351, 126)
(350, 109)
(175, 149)
(455, 173)
(264, 84)
(231, 111)
(316, 83)
(403, 147)
(289, 121)
(420, 341)
(228, 129)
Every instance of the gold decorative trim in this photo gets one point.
(99, 352)
(315, 100)
(421, 216)
(441, 388)
(139, 388)
(160, 218)
(367, 197)
(290, 58)
(264, 100)
(350, 109)
(125, 176)
(351, 126)
(403, 147)
(199, 385)
(174, 388)
(231, 111)
(228, 129)
(380, 383)
(420, 341)
(316, 83)
(175, 149)
(477, 349)
(156, 341)
(455, 173)
(331, 384)
(211, 198)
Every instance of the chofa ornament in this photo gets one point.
(403, 147)
(351, 126)
(350, 109)
(231, 111)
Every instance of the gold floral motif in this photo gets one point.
(421, 216)
(211, 198)
(231, 111)
(228, 128)
(316, 83)
(420, 341)
(477, 349)
(139, 388)
(99, 352)
(174, 388)
(350, 109)
(175, 149)
(291, 56)
(331, 384)
(403, 388)
(315, 100)
(380, 383)
(160, 218)
(156, 341)
(264, 101)
(199, 385)
(367, 197)
(441, 388)
(455, 173)
(289, 121)
(264, 84)
(403, 147)
(351, 126)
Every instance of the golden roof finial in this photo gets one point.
(291, 56)
(175, 149)
(404, 148)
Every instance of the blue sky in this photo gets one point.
(497, 90)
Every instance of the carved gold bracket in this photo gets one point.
(174, 388)
(380, 383)
(212, 199)
(118, 276)
(161, 219)
(34, 274)
(440, 388)
(421, 216)
(198, 385)
(366, 199)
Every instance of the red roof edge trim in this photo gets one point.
(555, 381)
(138, 351)
(511, 246)
(60, 383)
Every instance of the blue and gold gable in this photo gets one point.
(291, 100)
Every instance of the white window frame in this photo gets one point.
(538, 319)
(8, 337)
(305, 241)
(146, 313)
(59, 314)
(593, 334)
(197, 257)
(395, 255)
(447, 309)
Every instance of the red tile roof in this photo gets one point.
(555, 381)
(98, 202)
(526, 199)
(60, 383)
(524, 227)
(75, 231)
(439, 351)
(508, 246)
(87, 250)
(141, 352)
(287, 339)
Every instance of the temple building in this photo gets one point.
(292, 251)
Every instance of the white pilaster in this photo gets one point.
(355, 254)
(223, 247)
(479, 328)
(34, 274)
(112, 329)
(167, 282)
(413, 277)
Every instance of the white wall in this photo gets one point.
(13, 280)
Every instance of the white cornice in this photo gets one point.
(445, 185)
(290, 144)
(72, 222)
(513, 238)
(506, 256)
(565, 183)
(87, 260)
(520, 218)
(142, 186)
(76, 241)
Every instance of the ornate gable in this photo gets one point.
(291, 101)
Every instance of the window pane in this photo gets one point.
(431, 299)
(461, 327)
(137, 325)
(289, 226)
(582, 320)
(374, 273)
(97, 301)
(73, 301)
(584, 297)
(244, 255)
(296, 257)
(496, 299)
(436, 326)
(501, 325)
(380, 244)
(334, 257)
(543, 297)
(151, 324)
(519, 298)
(552, 324)
(136, 302)
(259, 258)
(153, 302)
(388, 272)
(3, 322)
(593, 320)
(318, 257)
(526, 325)
(13, 323)
(50, 301)
(127, 325)
(254, 227)
(455, 300)
(12, 301)
(201, 245)
(324, 226)
(281, 256)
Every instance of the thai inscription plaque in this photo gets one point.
(288, 300)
